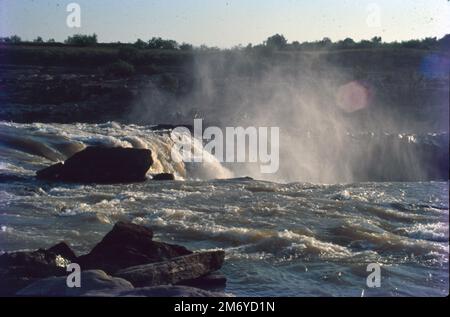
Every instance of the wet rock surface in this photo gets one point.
(101, 165)
(163, 177)
(125, 259)
(91, 280)
(96, 283)
(128, 245)
(174, 271)
(18, 269)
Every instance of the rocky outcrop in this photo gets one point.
(182, 268)
(93, 280)
(64, 94)
(128, 254)
(96, 283)
(160, 127)
(18, 269)
(163, 177)
(101, 165)
(33, 264)
(63, 250)
(240, 179)
(128, 245)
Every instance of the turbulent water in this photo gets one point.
(281, 239)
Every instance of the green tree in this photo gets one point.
(346, 43)
(276, 41)
(444, 42)
(295, 45)
(159, 43)
(38, 40)
(325, 43)
(140, 44)
(186, 47)
(82, 40)
(376, 40)
(14, 39)
(365, 44)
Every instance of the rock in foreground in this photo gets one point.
(126, 245)
(101, 165)
(96, 283)
(182, 268)
(93, 280)
(18, 269)
(131, 258)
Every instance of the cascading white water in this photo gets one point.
(56, 142)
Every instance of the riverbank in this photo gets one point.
(95, 84)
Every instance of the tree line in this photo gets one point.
(274, 42)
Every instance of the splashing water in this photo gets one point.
(281, 239)
(56, 142)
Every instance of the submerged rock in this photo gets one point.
(128, 245)
(163, 177)
(93, 280)
(174, 271)
(101, 165)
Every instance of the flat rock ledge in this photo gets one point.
(174, 271)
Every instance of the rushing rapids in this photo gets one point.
(280, 238)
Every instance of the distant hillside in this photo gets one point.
(46, 82)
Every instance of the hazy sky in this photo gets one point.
(226, 23)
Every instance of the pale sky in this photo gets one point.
(225, 23)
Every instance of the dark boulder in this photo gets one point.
(63, 250)
(163, 177)
(101, 165)
(18, 269)
(128, 245)
(99, 284)
(40, 263)
(174, 271)
(53, 172)
(240, 179)
(161, 127)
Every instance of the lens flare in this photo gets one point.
(435, 66)
(352, 96)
